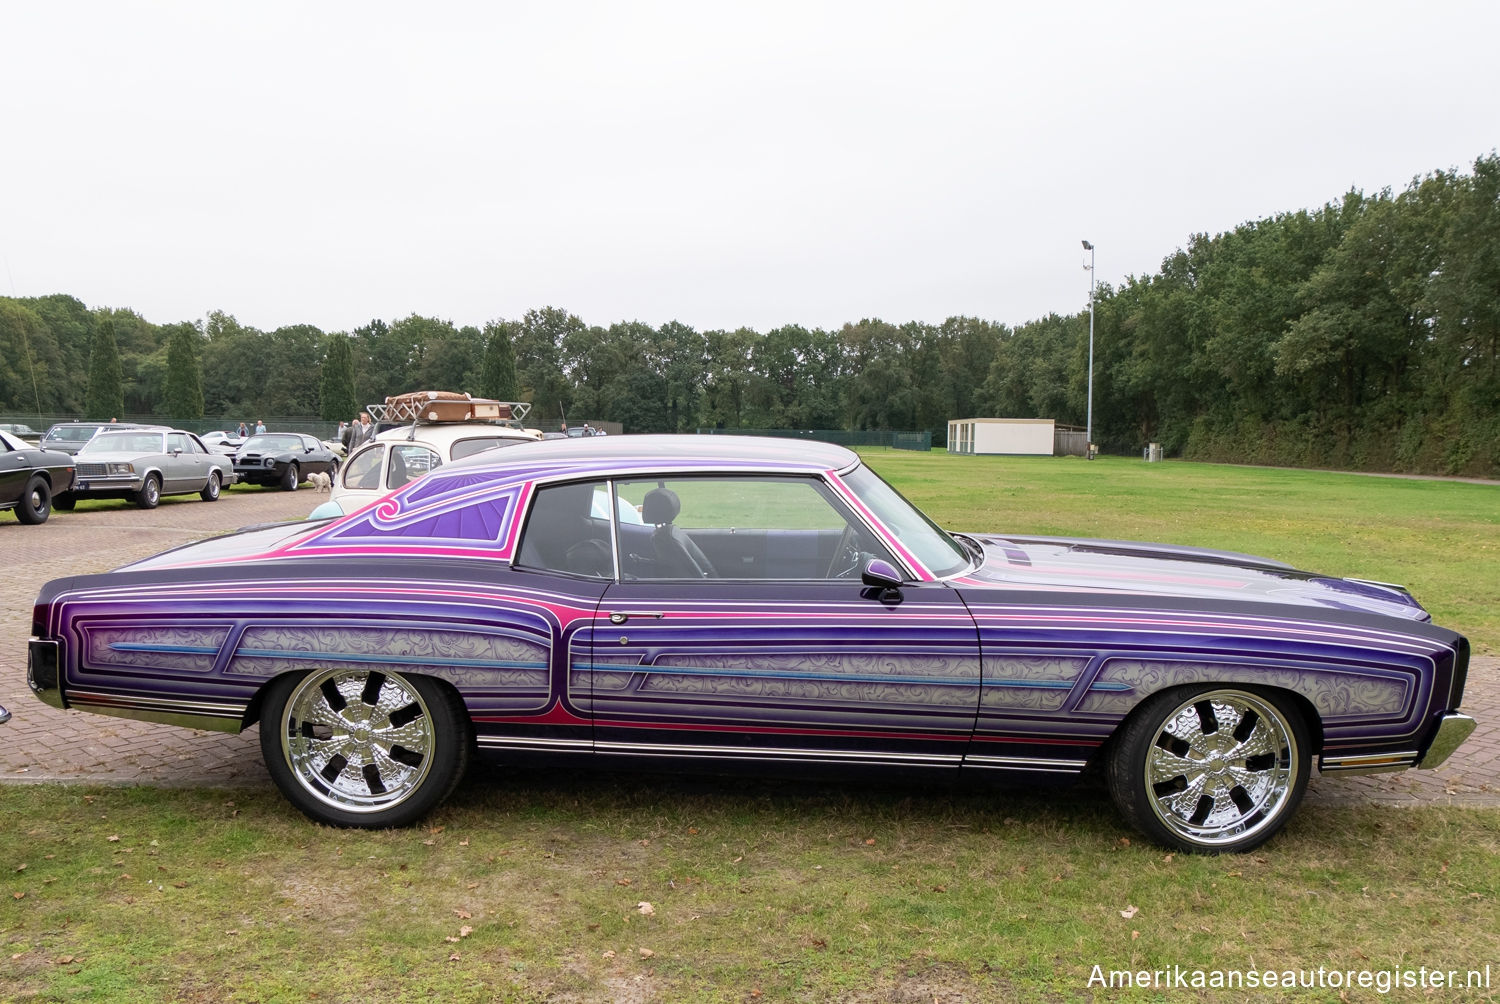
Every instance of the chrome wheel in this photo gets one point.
(1221, 766)
(210, 492)
(1211, 769)
(357, 741)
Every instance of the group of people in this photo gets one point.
(357, 433)
(245, 431)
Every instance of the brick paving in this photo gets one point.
(43, 744)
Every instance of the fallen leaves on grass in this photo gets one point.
(645, 909)
(1130, 911)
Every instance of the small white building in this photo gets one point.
(1015, 436)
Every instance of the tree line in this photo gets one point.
(1363, 334)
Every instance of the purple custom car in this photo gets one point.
(754, 604)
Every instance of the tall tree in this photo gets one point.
(498, 378)
(336, 398)
(106, 394)
(184, 383)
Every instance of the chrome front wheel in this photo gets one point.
(364, 748)
(1211, 769)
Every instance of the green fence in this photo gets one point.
(842, 437)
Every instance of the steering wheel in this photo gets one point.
(846, 555)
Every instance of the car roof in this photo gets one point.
(670, 452)
(102, 425)
(447, 433)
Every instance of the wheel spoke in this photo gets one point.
(1222, 765)
(1165, 765)
(358, 741)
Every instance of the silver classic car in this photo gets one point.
(143, 465)
(729, 603)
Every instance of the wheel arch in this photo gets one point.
(256, 707)
(1295, 701)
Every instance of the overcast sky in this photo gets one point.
(723, 165)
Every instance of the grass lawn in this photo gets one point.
(1440, 539)
(610, 888)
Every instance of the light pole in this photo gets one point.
(1088, 447)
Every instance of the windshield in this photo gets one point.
(921, 536)
(272, 444)
(125, 442)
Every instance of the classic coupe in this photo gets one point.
(283, 458)
(769, 606)
(29, 477)
(144, 464)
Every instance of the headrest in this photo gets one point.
(661, 505)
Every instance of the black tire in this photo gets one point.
(35, 503)
(64, 502)
(1247, 751)
(292, 478)
(410, 732)
(150, 494)
(210, 492)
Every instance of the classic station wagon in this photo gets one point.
(765, 605)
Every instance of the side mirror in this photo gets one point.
(176, 451)
(881, 573)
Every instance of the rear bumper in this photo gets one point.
(1453, 728)
(44, 671)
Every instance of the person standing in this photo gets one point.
(362, 433)
(244, 432)
(260, 426)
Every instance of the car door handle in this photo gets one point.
(620, 617)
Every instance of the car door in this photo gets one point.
(562, 566)
(762, 644)
(177, 465)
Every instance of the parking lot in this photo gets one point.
(43, 744)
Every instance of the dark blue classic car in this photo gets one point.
(734, 603)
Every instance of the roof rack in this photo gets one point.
(446, 406)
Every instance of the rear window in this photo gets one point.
(72, 433)
(469, 447)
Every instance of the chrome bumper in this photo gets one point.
(1453, 728)
(4, 715)
(44, 672)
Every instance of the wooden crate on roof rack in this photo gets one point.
(446, 406)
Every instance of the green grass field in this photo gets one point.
(1441, 539)
(542, 887)
(539, 886)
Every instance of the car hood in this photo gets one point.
(1122, 566)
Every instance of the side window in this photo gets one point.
(178, 442)
(741, 528)
(408, 463)
(563, 535)
(363, 471)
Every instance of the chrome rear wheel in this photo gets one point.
(364, 748)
